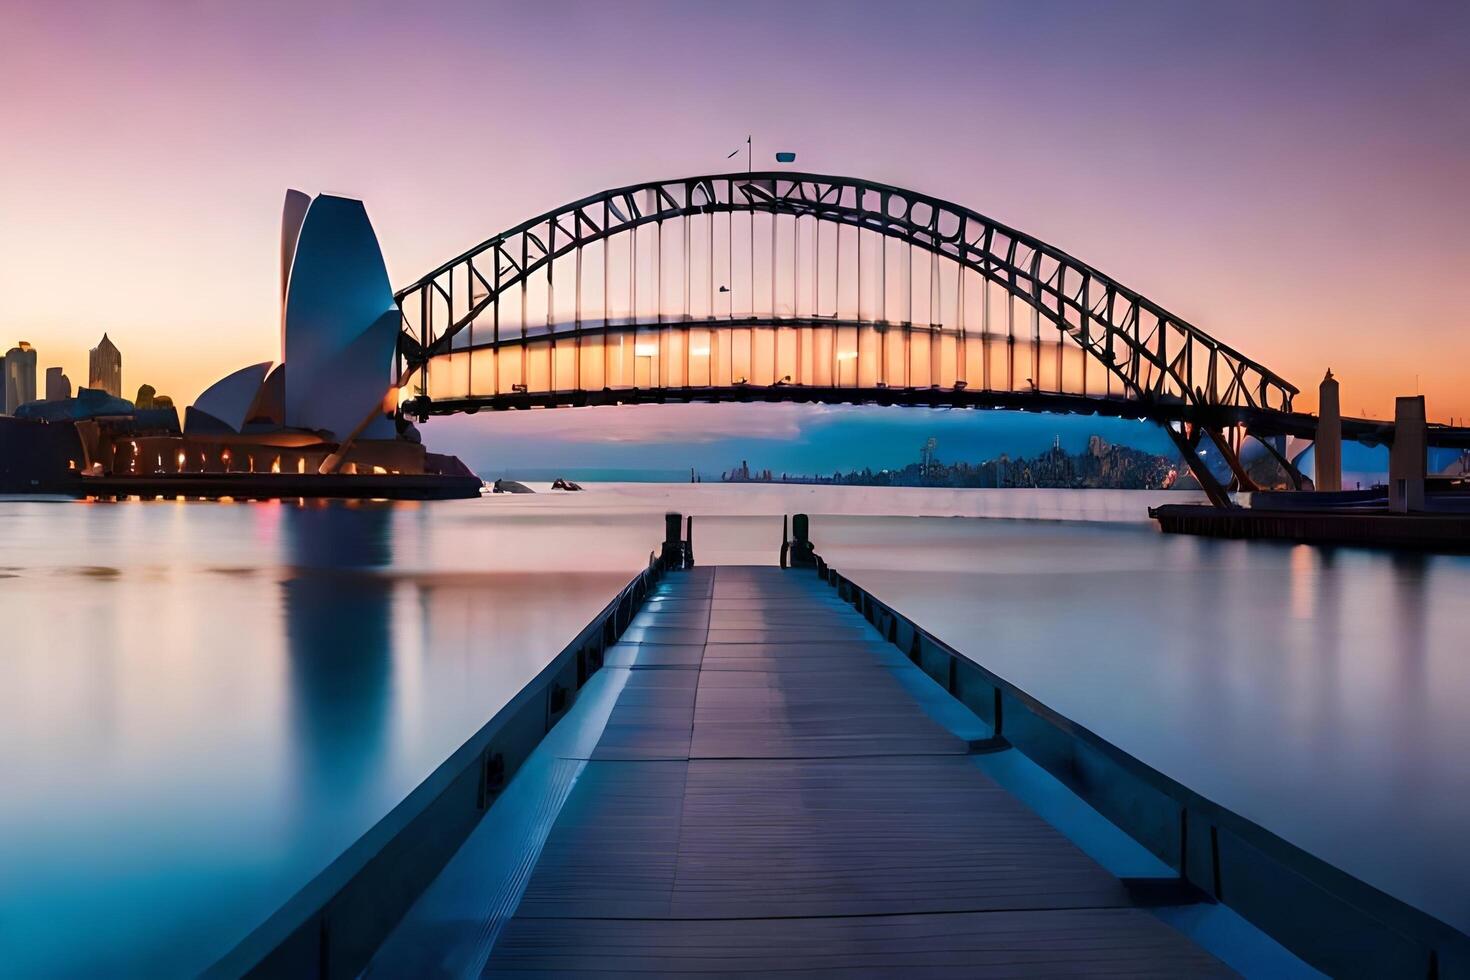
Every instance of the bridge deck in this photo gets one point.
(768, 796)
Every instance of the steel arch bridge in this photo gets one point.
(802, 287)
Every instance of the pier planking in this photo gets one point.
(768, 798)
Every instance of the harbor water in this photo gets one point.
(202, 705)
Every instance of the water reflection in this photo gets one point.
(338, 621)
(1303, 581)
(1324, 670)
(1411, 587)
(1410, 662)
(190, 736)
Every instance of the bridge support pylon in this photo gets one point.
(1299, 480)
(1231, 455)
(1408, 456)
(1187, 442)
(1328, 444)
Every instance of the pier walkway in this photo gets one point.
(778, 791)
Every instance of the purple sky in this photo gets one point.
(1290, 177)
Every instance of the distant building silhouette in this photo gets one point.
(20, 376)
(104, 368)
(58, 385)
(1100, 465)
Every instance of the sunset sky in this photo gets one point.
(1291, 177)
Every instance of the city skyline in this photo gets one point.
(20, 371)
(1205, 188)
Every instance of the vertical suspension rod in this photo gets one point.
(713, 332)
(775, 330)
(551, 303)
(495, 325)
(837, 314)
(577, 322)
(796, 290)
(688, 356)
(469, 365)
(882, 317)
(1011, 337)
(660, 335)
(962, 368)
(632, 309)
(908, 326)
(859, 263)
(525, 260)
(936, 328)
(606, 314)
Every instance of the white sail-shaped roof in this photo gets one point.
(341, 323)
(230, 399)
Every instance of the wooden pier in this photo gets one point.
(768, 797)
(1444, 532)
(756, 771)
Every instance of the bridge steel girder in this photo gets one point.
(1160, 360)
(1298, 479)
(1187, 442)
(927, 397)
(1231, 456)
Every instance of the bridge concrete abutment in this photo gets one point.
(1328, 445)
(1408, 457)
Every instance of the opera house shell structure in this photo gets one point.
(338, 328)
(324, 409)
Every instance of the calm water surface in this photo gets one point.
(1323, 693)
(202, 705)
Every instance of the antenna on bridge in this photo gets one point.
(749, 156)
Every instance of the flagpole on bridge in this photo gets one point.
(749, 156)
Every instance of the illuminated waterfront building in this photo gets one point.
(329, 413)
(332, 415)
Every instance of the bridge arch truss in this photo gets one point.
(800, 286)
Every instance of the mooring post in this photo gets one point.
(785, 542)
(672, 555)
(689, 541)
(803, 555)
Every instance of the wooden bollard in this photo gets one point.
(672, 555)
(803, 554)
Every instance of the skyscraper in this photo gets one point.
(104, 368)
(58, 385)
(20, 376)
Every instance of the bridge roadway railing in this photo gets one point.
(1328, 918)
(797, 359)
(819, 352)
(332, 926)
